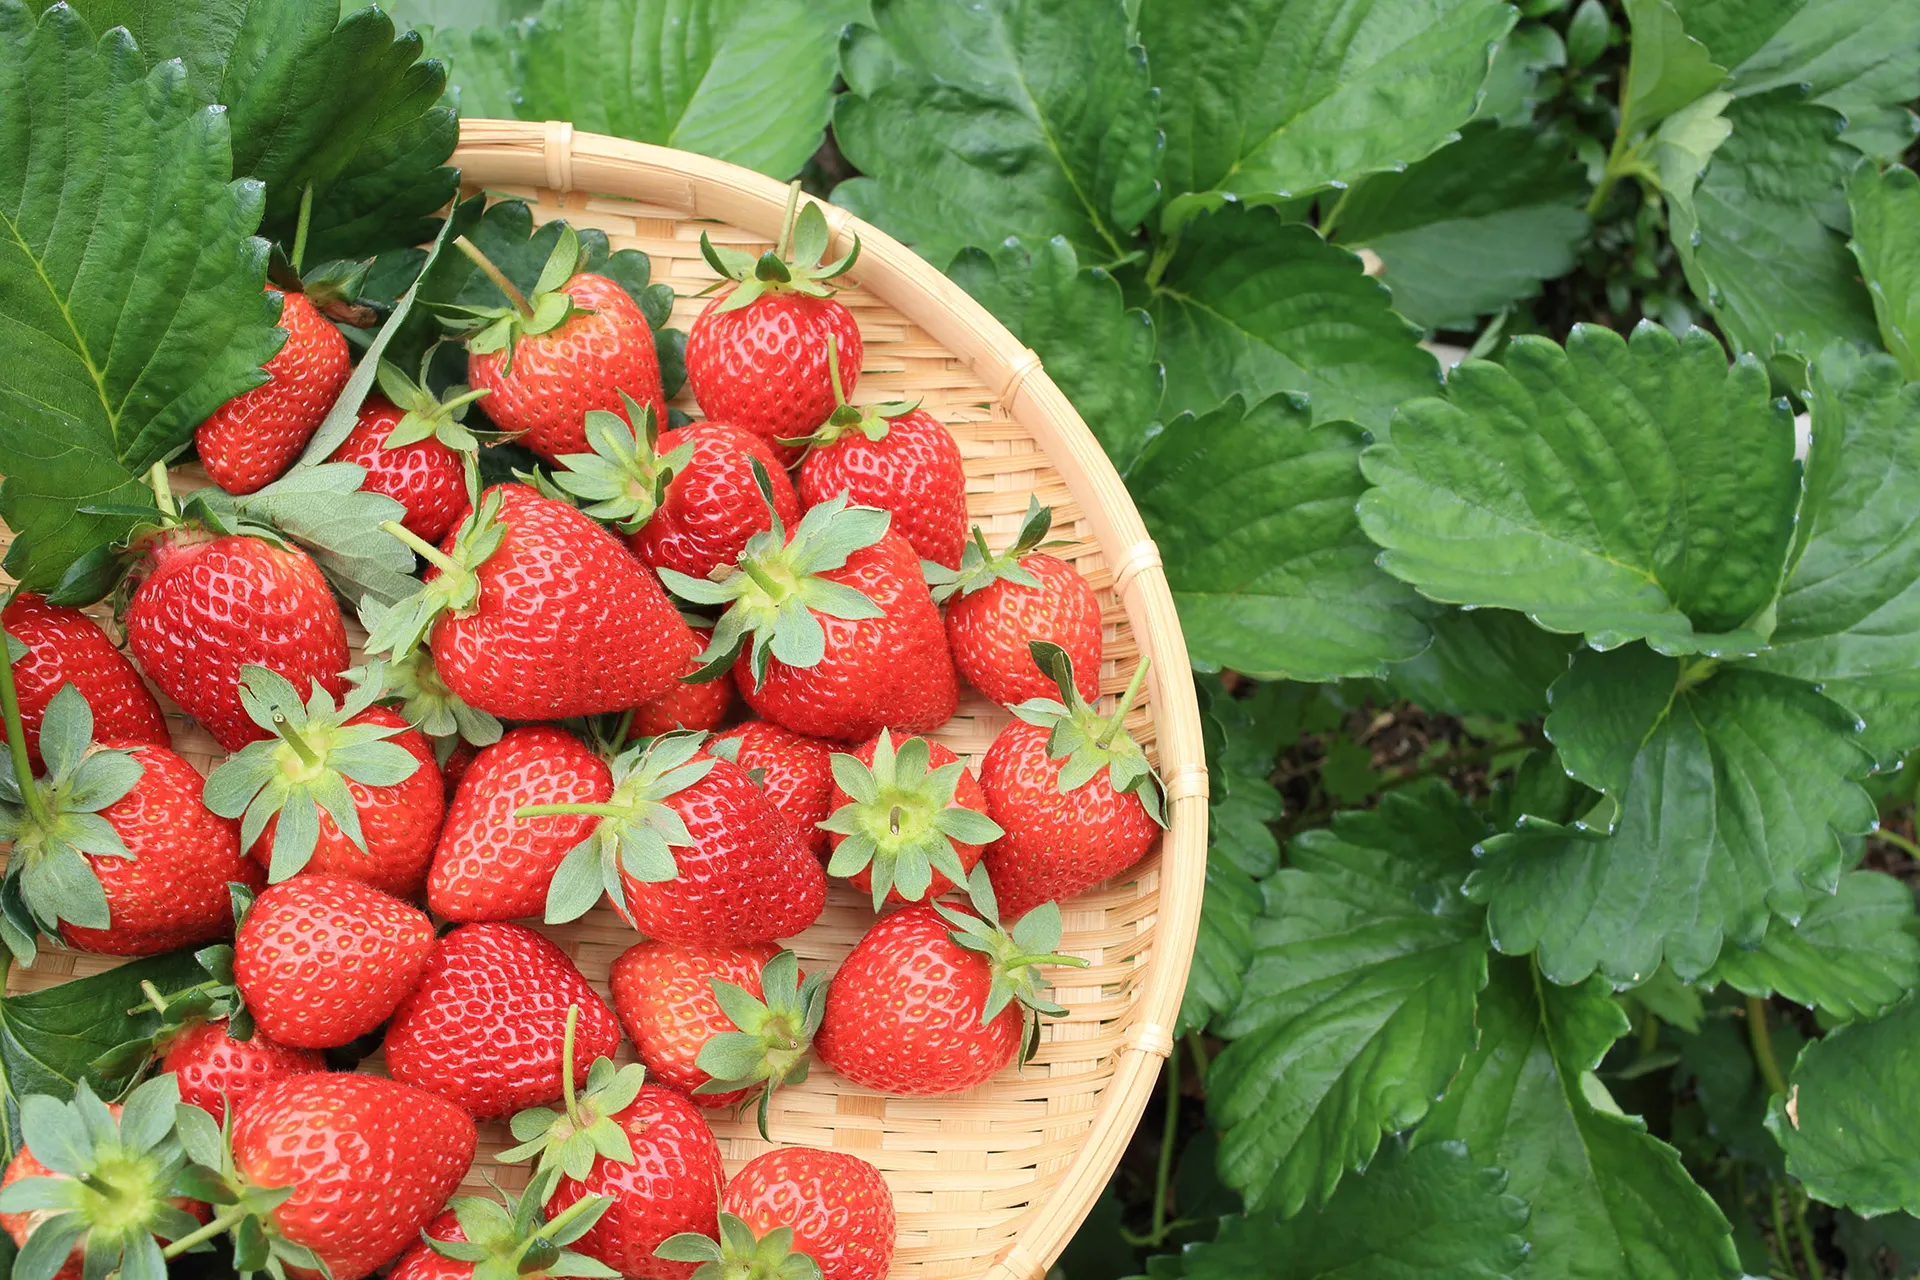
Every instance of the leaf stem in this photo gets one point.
(495, 274)
(1762, 1040)
(300, 229)
(30, 796)
(1163, 253)
(1200, 1062)
(1332, 219)
(221, 1223)
(1780, 1231)
(1804, 1233)
(1898, 841)
(1169, 1134)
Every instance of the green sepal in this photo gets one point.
(243, 1206)
(1088, 741)
(215, 999)
(623, 480)
(902, 820)
(1013, 956)
(510, 1236)
(793, 265)
(568, 1141)
(776, 1030)
(980, 565)
(738, 1254)
(426, 416)
(489, 329)
(426, 702)
(455, 590)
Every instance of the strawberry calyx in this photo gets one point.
(303, 768)
(569, 1140)
(623, 479)
(792, 266)
(243, 1208)
(738, 1254)
(1087, 740)
(774, 1036)
(426, 416)
(980, 565)
(511, 1237)
(215, 1000)
(454, 589)
(871, 420)
(774, 589)
(1014, 956)
(489, 329)
(426, 702)
(902, 821)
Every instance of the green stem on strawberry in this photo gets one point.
(785, 244)
(761, 578)
(550, 810)
(833, 369)
(421, 547)
(300, 229)
(30, 796)
(1116, 724)
(566, 1063)
(287, 734)
(495, 274)
(221, 1224)
(162, 490)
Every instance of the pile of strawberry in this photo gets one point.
(820, 540)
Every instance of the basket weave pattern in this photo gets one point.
(991, 1182)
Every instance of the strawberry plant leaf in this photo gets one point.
(323, 509)
(1637, 489)
(1854, 954)
(1253, 511)
(1358, 1006)
(1267, 99)
(1484, 662)
(1853, 1106)
(1886, 244)
(483, 75)
(1668, 69)
(1891, 716)
(134, 291)
(973, 123)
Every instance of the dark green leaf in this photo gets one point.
(1669, 68)
(1886, 244)
(1854, 954)
(483, 76)
(1484, 662)
(1853, 1106)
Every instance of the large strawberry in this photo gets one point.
(484, 1027)
(216, 1071)
(998, 604)
(492, 865)
(254, 437)
(65, 646)
(576, 344)
(424, 700)
(537, 613)
(830, 630)
(505, 1239)
(322, 960)
(757, 356)
(838, 1207)
(410, 444)
(701, 705)
(348, 790)
(794, 770)
(1073, 791)
(908, 824)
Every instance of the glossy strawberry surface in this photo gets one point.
(491, 865)
(989, 631)
(252, 439)
(484, 1028)
(685, 706)
(878, 673)
(65, 646)
(712, 505)
(568, 623)
(425, 477)
(370, 1161)
(209, 605)
(1056, 846)
(673, 1185)
(913, 471)
(839, 1206)
(967, 794)
(764, 366)
(173, 892)
(322, 960)
(604, 348)
(421, 1262)
(665, 1000)
(795, 771)
(903, 1012)
(215, 1070)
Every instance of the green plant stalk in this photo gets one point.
(1169, 1132)
(1803, 1232)
(1898, 841)
(17, 739)
(1780, 1232)
(300, 229)
(1200, 1063)
(421, 547)
(1328, 223)
(495, 274)
(1762, 1040)
(1163, 252)
(221, 1223)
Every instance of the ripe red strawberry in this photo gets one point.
(999, 604)
(907, 825)
(538, 613)
(1074, 793)
(216, 1071)
(65, 646)
(515, 1239)
(346, 791)
(370, 1162)
(757, 356)
(839, 1207)
(690, 706)
(322, 960)
(711, 506)
(419, 472)
(254, 437)
(835, 633)
(484, 1026)
(491, 865)
(794, 771)
(934, 1000)
(690, 851)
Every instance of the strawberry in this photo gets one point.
(538, 613)
(577, 344)
(907, 825)
(838, 1206)
(690, 706)
(484, 1026)
(1074, 793)
(504, 1239)
(347, 790)
(936, 1000)
(794, 770)
(757, 356)
(254, 437)
(216, 1071)
(407, 447)
(999, 604)
(719, 1022)
(491, 865)
(690, 851)
(425, 701)
(831, 631)
(322, 960)
(65, 646)
(897, 457)
(113, 850)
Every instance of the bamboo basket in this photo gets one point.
(992, 1182)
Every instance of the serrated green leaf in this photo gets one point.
(1484, 662)
(323, 509)
(1854, 954)
(1668, 70)
(1853, 1106)
(483, 77)
(1886, 244)
(1891, 716)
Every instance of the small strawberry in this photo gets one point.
(347, 790)
(999, 604)
(1074, 792)
(216, 1071)
(838, 1206)
(504, 1239)
(577, 344)
(690, 706)
(907, 825)
(254, 437)
(757, 356)
(484, 1026)
(936, 1000)
(538, 613)
(690, 851)
(410, 444)
(830, 631)
(425, 701)
(491, 865)
(794, 770)
(719, 1022)
(322, 960)
(56, 646)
